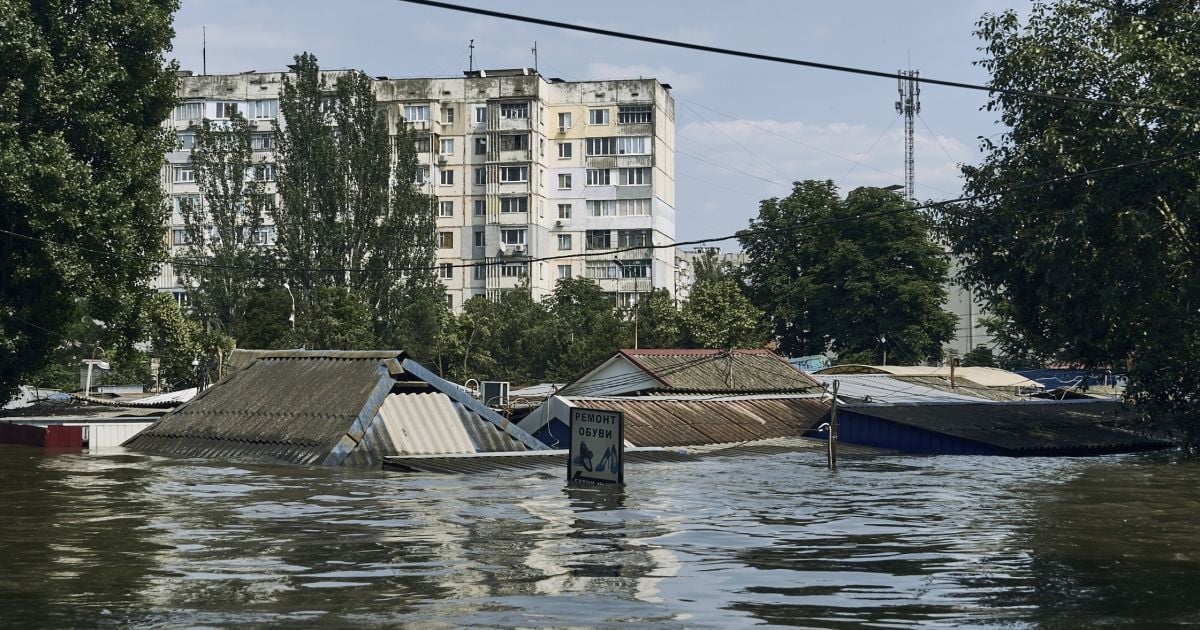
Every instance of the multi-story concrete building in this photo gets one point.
(685, 266)
(540, 178)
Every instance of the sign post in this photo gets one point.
(597, 455)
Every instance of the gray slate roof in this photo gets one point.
(758, 371)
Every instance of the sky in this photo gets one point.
(746, 129)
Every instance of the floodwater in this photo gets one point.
(130, 540)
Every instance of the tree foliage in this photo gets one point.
(854, 275)
(350, 214)
(84, 88)
(221, 229)
(1096, 270)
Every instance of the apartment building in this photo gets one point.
(536, 178)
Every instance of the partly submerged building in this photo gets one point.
(330, 408)
(672, 397)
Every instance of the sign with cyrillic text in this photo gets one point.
(597, 454)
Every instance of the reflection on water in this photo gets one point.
(125, 539)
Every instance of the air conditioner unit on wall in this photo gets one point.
(495, 393)
(562, 130)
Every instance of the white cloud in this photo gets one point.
(680, 82)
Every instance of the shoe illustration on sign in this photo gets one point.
(584, 459)
(611, 459)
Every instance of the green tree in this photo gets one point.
(658, 321)
(84, 88)
(350, 214)
(586, 327)
(507, 339)
(718, 315)
(980, 356)
(1096, 270)
(222, 229)
(848, 275)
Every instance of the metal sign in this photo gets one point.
(597, 447)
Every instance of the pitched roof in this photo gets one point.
(719, 370)
(1030, 427)
(985, 376)
(317, 407)
(884, 389)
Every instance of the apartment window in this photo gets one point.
(187, 141)
(634, 207)
(264, 203)
(187, 204)
(598, 177)
(416, 113)
(634, 177)
(514, 110)
(564, 181)
(421, 175)
(514, 270)
(450, 301)
(480, 114)
(448, 115)
(423, 144)
(633, 238)
(564, 150)
(480, 238)
(601, 270)
(446, 270)
(514, 204)
(328, 104)
(601, 146)
(179, 237)
(564, 120)
(564, 241)
(541, 147)
(627, 114)
(514, 142)
(635, 269)
(446, 177)
(564, 211)
(445, 209)
(184, 174)
(509, 174)
(481, 176)
(264, 172)
(262, 141)
(189, 111)
(602, 208)
(226, 109)
(481, 146)
(598, 116)
(479, 272)
(447, 146)
(599, 239)
(264, 235)
(266, 108)
(445, 240)
(480, 207)
(633, 145)
(564, 272)
(513, 236)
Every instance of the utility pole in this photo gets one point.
(471, 56)
(909, 105)
(535, 67)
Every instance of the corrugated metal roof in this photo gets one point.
(687, 422)
(431, 423)
(1041, 427)
(984, 376)
(883, 389)
(720, 370)
(288, 406)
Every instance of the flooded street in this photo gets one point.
(126, 539)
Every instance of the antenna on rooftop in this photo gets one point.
(535, 57)
(203, 50)
(909, 105)
(471, 57)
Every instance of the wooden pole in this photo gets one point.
(833, 429)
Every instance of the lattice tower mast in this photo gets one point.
(909, 105)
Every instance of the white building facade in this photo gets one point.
(539, 178)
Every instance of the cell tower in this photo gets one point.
(909, 105)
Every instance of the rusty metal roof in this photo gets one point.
(720, 371)
(655, 421)
(1029, 427)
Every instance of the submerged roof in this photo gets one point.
(1029, 427)
(985, 376)
(679, 370)
(333, 408)
(657, 421)
(884, 389)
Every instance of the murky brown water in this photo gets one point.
(125, 539)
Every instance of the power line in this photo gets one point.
(869, 149)
(608, 253)
(795, 62)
